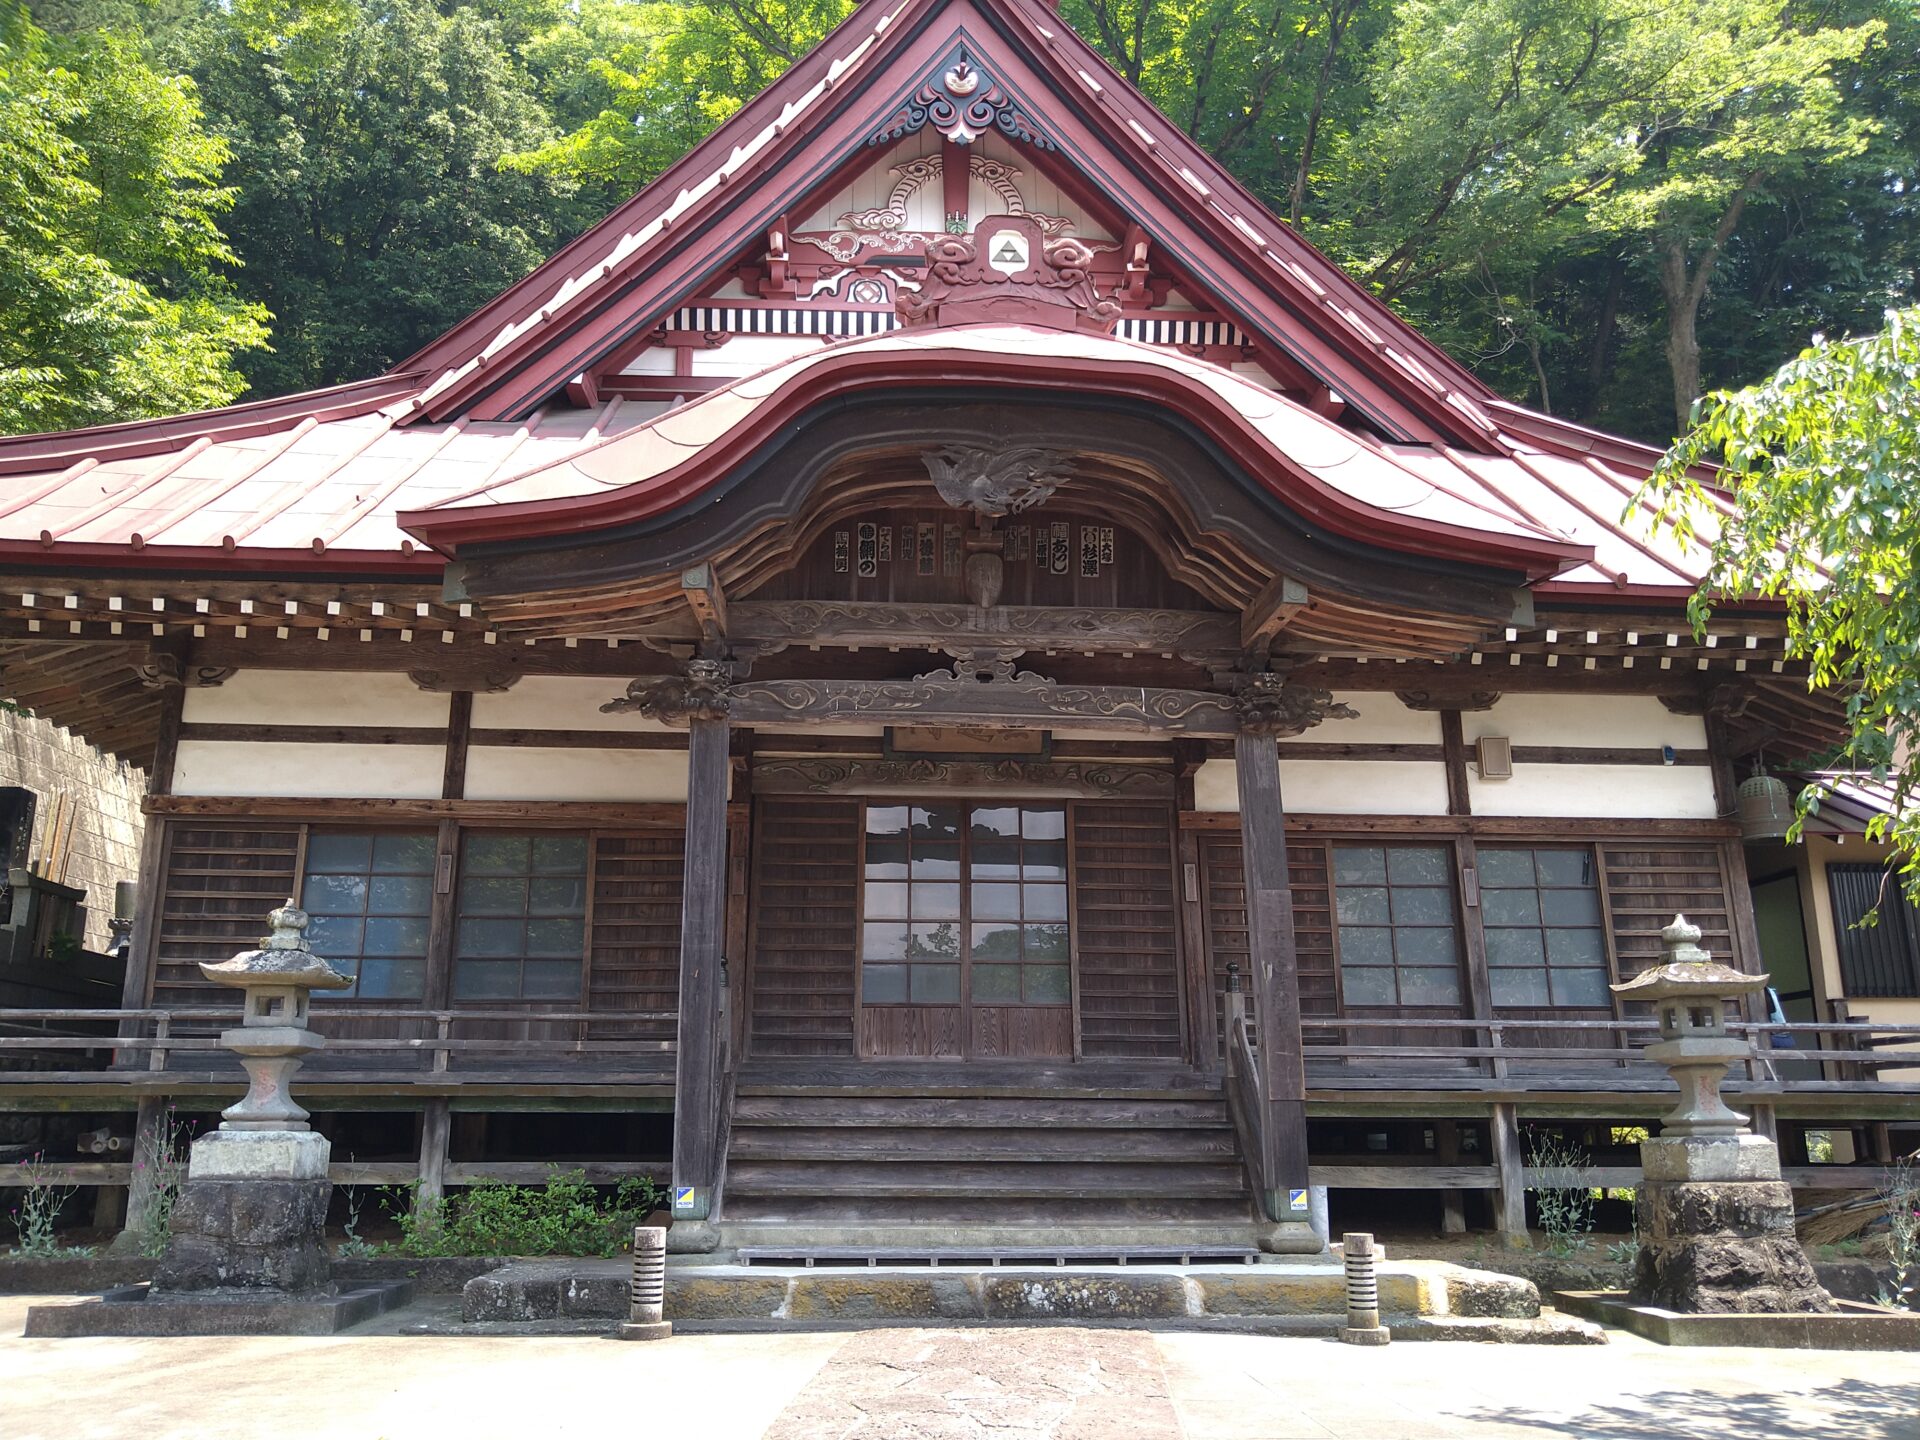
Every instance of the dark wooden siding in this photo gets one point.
(634, 944)
(1126, 931)
(1876, 960)
(220, 882)
(1646, 883)
(806, 925)
(1223, 897)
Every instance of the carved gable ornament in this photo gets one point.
(961, 101)
(1009, 271)
(1001, 481)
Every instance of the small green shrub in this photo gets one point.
(1902, 1196)
(162, 1151)
(38, 1212)
(1565, 1194)
(566, 1216)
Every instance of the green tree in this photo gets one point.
(366, 137)
(114, 298)
(1822, 466)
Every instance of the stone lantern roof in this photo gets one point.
(1688, 972)
(284, 959)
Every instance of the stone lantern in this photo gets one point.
(1715, 1219)
(252, 1214)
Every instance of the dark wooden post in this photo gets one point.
(697, 1121)
(1275, 978)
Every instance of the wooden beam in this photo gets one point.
(1282, 598)
(701, 1050)
(1018, 699)
(1063, 628)
(701, 586)
(1275, 979)
(436, 1130)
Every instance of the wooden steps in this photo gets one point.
(1058, 1158)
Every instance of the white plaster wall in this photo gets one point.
(558, 702)
(315, 697)
(1335, 787)
(1382, 720)
(1622, 792)
(745, 354)
(1613, 720)
(271, 767)
(528, 772)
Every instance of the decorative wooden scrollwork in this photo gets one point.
(1268, 705)
(703, 691)
(962, 101)
(996, 481)
(1093, 780)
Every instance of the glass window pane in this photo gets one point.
(934, 984)
(1047, 985)
(1570, 907)
(936, 862)
(1366, 945)
(1418, 865)
(1565, 867)
(551, 980)
(1580, 987)
(883, 941)
(886, 820)
(557, 938)
(1501, 868)
(400, 895)
(1421, 905)
(996, 983)
(886, 900)
(396, 936)
(1362, 905)
(1045, 860)
(1520, 987)
(996, 860)
(931, 823)
(938, 941)
(486, 980)
(335, 937)
(558, 895)
(883, 984)
(559, 854)
(1359, 865)
(391, 979)
(996, 823)
(996, 942)
(400, 854)
(1049, 823)
(493, 895)
(1367, 985)
(996, 902)
(495, 854)
(1514, 947)
(1046, 902)
(1046, 942)
(334, 895)
(936, 902)
(1420, 985)
(1510, 907)
(489, 937)
(327, 851)
(1576, 948)
(1424, 947)
(886, 859)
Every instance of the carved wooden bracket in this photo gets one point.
(1448, 699)
(1721, 702)
(703, 692)
(165, 669)
(1267, 705)
(1089, 779)
(480, 682)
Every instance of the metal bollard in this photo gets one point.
(1363, 1325)
(647, 1294)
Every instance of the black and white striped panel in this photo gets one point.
(741, 320)
(1181, 332)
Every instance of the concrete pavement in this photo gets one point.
(959, 1384)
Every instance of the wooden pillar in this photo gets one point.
(149, 1141)
(1510, 1209)
(436, 1133)
(1275, 979)
(1446, 1151)
(697, 1119)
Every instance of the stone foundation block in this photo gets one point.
(248, 1235)
(897, 1296)
(1711, 1248)
(259, 1155)
(1492, 1297)
(1036, 1296)
(1710, 1158)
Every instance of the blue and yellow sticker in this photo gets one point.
(1296, 1199)
(683, 1197)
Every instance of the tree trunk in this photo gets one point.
(1683, 343)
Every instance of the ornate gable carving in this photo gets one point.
(1009, 270)
(962, 101)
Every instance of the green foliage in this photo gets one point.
(1565, 1195)
(1901, 1194)
(114, 297)
(1822, 464)
(37, 1214)
(162, 1156)
(566, 1216)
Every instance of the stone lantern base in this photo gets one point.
(1716, 1231)
(252, 1215)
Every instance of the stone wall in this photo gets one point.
(105, 846)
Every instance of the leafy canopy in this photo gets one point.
(1822, 465)
(115, 301)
